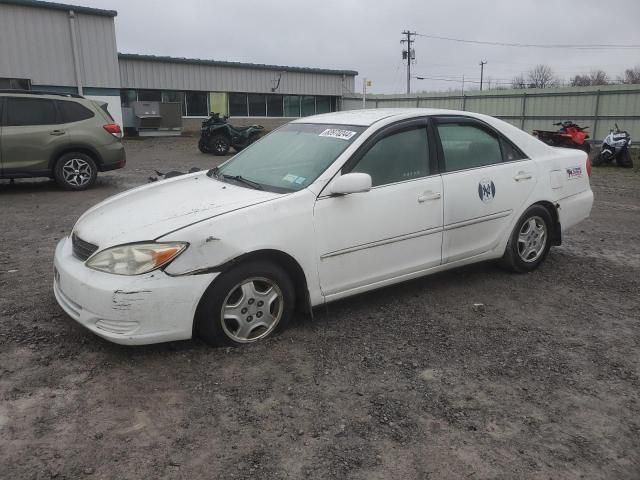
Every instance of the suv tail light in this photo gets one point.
(113, 129)
(588, 167)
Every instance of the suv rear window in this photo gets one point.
(73, 112)
(30, 111)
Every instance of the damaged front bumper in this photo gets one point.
(129, 310)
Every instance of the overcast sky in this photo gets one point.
(365, 35)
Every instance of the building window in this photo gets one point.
(175, 97)
(127, 97)
(323, 104)
(275, 106)
(149, 96)
(238, 104)
(15, 84)
(308, 106)
(334, 104)
(257, 105)
(197, 104)
(291, 106)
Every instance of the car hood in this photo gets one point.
(153, 210)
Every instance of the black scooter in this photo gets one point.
(217, 135)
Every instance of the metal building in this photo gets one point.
(67, 48)
(237, 89)
(50, 46)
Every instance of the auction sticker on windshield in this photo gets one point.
(338, 133)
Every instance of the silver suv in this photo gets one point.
(62, 136)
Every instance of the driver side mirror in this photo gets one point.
(351, 183)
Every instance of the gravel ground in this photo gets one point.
(412, 381)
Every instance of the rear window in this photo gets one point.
(106, 111)
(30, 111)
(73, 112)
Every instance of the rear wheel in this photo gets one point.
(530, 240)
(245, 305)
(75, 171)
(219, 145)
(624, 159)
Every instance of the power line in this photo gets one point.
(597, 46)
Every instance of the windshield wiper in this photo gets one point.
(247, 182)
(213, 172)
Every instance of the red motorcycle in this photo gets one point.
(569, 135)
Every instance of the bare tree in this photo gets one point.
(596, 77)
(599, 77)
(631, 75)
(580, 81)
(518, 82)
(541, 76)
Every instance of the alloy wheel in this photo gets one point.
(532, 239)
(76, 172)
(252, 310)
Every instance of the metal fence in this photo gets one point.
(596, 107)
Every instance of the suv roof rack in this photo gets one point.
(40, 92)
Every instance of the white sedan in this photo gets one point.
(323, 208)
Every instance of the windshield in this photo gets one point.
(290, 158)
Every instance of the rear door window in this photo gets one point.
(30, 111)
(467, 146)
(73, 112)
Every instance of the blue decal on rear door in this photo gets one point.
(486, 190)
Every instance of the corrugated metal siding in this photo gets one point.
(142, 74)
(615, 103)
(35, 43)
(98, 51)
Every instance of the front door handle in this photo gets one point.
(523, 176)
(426, 196)
(57, 132)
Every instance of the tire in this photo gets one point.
(624, 159)
(534, 230)
(203, 146)
(597, 160)
(239, 292)
(75, 171)
(219, 145)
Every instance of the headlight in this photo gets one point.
(136, 258)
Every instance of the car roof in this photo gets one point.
(40, 93)
(530, 145)
(368, 117)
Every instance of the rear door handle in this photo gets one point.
(523, 176)
(57, 132)
(426, 196)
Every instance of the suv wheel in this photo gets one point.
(75, 171)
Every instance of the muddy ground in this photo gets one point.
(407, 382)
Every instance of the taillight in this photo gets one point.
(588, 167)
(113, 129)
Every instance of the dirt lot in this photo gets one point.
(406, 382)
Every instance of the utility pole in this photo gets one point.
(482, 64)
(408, 54)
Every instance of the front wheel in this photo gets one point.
(529, 242)
(203, 146)
(219, 145)
(75, 171)
(245, 305)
